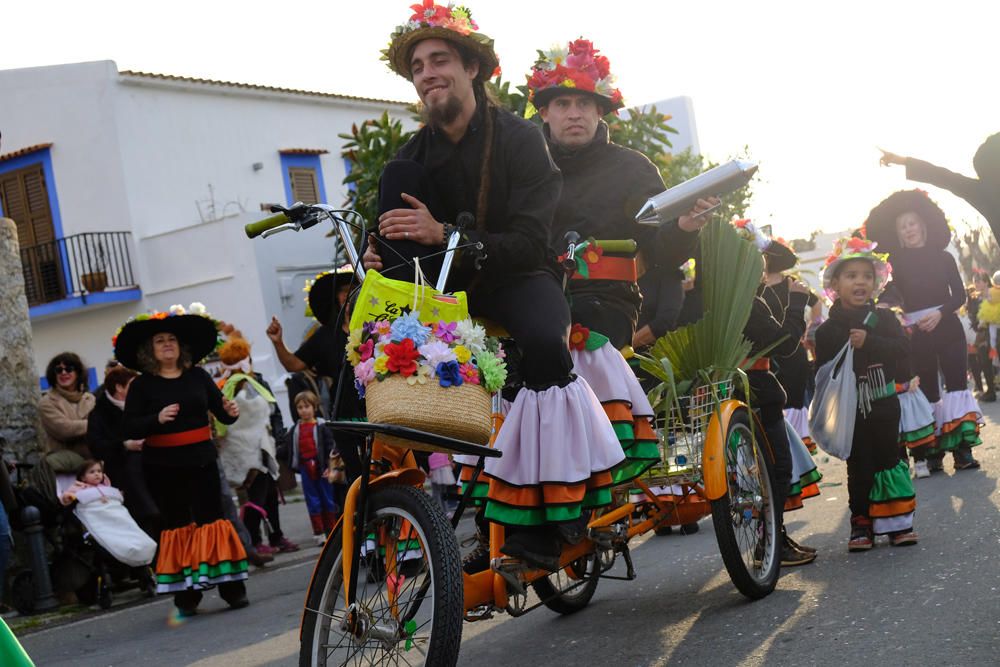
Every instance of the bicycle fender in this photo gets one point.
(714, 454)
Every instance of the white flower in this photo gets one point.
(436, 352)
(197, 308)
(176, 309)
(472, 335)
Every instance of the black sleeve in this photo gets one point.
(812, 299)
(535, 184)
(955, 284)
(311, 350)
(670, 298)
(830, 338)
(891, 295)
(969, 189)
(104, 444)
(214, 396)
(887, 344)
(137, 422)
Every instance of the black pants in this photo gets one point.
(185, 494)
(981, 367)
(944, 349)
(263, 492)
(772, 418)
(875, 448)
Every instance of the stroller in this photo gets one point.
(95, 544)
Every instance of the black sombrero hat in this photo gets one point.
(779, 257)
(881, 224)
(323, 292)
(198, 333)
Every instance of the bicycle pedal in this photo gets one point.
(510, 569)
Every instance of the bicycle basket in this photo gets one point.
(682, 432)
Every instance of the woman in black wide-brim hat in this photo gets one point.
(927, 285)
(168, 406)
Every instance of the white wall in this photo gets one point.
(71, 106)
(681, 110)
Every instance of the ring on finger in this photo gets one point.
(406, 235)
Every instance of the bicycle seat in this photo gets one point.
(493, 329)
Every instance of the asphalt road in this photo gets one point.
(934, 603)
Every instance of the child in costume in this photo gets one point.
(764, 328)
(926, 283)
(306, 448)
(988, 315)
(880, 492)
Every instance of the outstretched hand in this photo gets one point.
(888, 158)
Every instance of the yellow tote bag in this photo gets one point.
(385, 299)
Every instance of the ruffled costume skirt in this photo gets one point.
(958, 420)
(559, 451)
(199, 557)
(917, 424)
(805, 475)
(617, 388)
(892, 500)
(799, 419)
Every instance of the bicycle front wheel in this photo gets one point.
(409, 601)
(744, 518)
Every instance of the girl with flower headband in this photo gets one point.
(926, 283)
(168, 405)
(880, 493)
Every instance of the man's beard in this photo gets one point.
(442, 114)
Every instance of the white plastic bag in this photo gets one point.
(835, 405)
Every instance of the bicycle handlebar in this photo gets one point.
(255, 229)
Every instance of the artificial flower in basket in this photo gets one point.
(435, 377)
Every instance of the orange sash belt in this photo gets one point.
(762, 364)
(180, 439)
(611, 268)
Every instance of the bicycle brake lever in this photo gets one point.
(290, 226)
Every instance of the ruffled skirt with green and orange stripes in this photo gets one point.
(892, 500)
(805, 475)
(916, 418)
(199, 557)
(958, 421)
(559, 451)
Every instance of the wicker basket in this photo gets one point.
(461, 412)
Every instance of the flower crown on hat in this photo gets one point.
(196, 308)
(749, 232)
(846, 249)
(577, 66)
(437, 21)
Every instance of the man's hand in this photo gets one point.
(371, 259)
(134, 445)
(930, 321)
(274, 330)
(857, 338)
(694, 220)
(169, 413)
(888, 159)
(411, 224)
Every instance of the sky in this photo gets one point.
(812, 88)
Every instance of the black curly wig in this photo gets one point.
(881, 224)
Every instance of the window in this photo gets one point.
(304, 188)
(24, 197)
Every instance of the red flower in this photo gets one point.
(858, 245)
(430, 13)
(578, 336)
(366, 349)
(402, 357)
(582, 47)
(603, 66)
(593, 254)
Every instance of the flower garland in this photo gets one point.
(450, 353)
(578, 65)
(846, 249)
(750, 232)
(195, 308)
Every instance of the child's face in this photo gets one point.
(94, 474)
(855, 283)
(306, 411)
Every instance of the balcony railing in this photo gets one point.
(77, 266)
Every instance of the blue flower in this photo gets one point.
(360, 387)
(449, 374)
(409, 326)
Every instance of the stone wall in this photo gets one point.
(19, 390)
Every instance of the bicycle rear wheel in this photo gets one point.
(744, 518)
(570, 589)
(408, 606)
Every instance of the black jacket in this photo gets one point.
(763, 329)
(983, 196)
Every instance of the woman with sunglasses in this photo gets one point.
(65, 407)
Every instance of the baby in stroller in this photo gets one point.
(99, 508)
